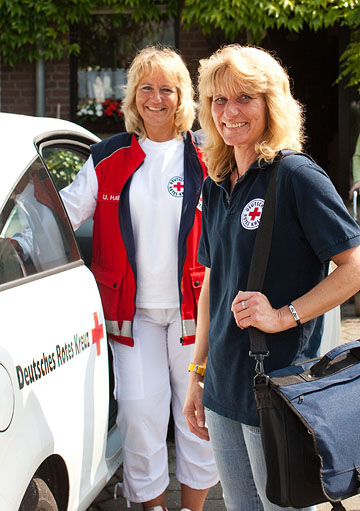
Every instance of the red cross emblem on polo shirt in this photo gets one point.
(253, 214)
(97, 333)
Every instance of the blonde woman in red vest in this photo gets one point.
(142, 188)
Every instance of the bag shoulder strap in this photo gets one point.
(261, 251)
(260, 257)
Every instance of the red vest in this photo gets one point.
(113, 259)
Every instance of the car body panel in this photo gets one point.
(54, 366)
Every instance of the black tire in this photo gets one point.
(38, 497)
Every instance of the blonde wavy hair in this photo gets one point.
(149, 61)
(233, 69)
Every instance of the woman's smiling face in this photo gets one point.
(156, 101)
(239, 118)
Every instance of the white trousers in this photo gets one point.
(148, 376)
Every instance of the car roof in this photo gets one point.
(17, 134)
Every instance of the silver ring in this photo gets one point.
(243, 304)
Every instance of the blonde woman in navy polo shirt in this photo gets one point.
(249, 115)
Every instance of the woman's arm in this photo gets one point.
(193, 408)
(80, 196)
(336, 288)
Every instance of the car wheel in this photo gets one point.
(38, 497)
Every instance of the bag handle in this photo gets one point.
(319, 368)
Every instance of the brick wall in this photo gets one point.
(194, 46)
(18, 93)
(18, 89)
(57, 86)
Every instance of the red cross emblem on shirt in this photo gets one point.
(97, 333)
(178, 186)
(253, 214)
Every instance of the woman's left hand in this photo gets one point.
(251, 308)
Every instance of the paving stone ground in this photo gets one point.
(350, 330)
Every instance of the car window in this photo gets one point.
(63, 162)
(35, 234)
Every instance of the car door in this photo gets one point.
(53, 354)
(64, 154)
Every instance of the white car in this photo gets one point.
(58, 441)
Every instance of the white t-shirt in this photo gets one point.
(156, 196)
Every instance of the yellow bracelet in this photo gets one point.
(196, 368)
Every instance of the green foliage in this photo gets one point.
(254, 17)
(63, 166)
(30, 29)
(350, 61)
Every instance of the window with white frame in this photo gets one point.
(107, 49)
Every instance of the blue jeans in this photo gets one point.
(240, 461)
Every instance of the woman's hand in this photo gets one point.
(251, 308)
(193, 407)
(354, 187)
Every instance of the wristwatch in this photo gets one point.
(294, 314)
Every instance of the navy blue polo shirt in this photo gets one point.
(311, 226)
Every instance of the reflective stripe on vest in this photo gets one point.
(113, 328)
(188, 327)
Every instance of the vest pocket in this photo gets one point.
(109, 284)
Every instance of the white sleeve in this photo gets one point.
(80, 196)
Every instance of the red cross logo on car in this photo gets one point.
(97, 333)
